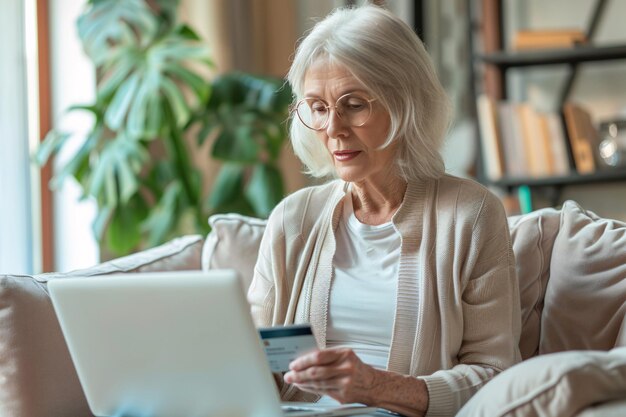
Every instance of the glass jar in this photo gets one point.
(612, 148)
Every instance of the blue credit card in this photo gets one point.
(283, 344)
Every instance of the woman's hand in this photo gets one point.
(336, 372)
(340, 374)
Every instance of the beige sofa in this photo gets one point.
(572, 272)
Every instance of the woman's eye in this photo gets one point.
(355, 105)
(318, 107)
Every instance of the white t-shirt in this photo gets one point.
(363, 291)
(362, 303)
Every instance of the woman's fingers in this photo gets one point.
(325, 386)
(314, 373)
(316, 358)
(337, 372)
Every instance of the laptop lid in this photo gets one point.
(175, 344)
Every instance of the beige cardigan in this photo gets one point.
(457, 319)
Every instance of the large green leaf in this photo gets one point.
(163, 216)
(106, 23)
(115, 174)
(112, 78)
(177, 49)
(177, 102)
(250, 113)
(239, 205)
(227, 186)
(275, 138)
(236, 144)
(53, 141)
(154, 119)
(142, 80)
(167, 11)
(226, 90)
(123, 233)
(136, 124)
(101, 221)
(198, 86)
(118, 109)
(265, 189)
(187, 32)
(80, 160)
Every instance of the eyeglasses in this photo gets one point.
(314, 113)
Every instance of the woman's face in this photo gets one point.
(354, 149)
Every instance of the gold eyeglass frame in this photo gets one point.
(328, 107)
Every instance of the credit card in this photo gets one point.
(283, 344)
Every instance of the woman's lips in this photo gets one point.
(345, 155)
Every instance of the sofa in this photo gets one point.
(571, 267)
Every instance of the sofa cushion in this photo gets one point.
(37, 377)
(532, 237)
(559, 384)
(585, 301)
(233, 244)
(616, 408)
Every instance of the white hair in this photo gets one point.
(385, 55)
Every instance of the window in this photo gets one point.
(17, 246)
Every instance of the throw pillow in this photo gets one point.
(559, 384)
(585, 301)
(233, 244)
(532, 237)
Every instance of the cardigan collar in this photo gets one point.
(408, 221)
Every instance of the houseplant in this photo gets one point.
(151, 94)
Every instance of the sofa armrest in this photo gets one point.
(180, 254)
(37, 376)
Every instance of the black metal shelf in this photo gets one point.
(499, 63)
(574, 55)
(608, 175)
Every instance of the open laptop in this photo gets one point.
(175, 344)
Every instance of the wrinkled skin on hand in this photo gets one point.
(336, 372)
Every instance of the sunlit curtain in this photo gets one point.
(16, 243)
(246, 35)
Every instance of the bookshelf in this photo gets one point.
(489, 70)
(576, 55)
(609, 175)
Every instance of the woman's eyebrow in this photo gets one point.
(313, 94)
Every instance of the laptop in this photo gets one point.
(174, 344)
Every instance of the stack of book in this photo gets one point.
(519, 142)
(544, 39)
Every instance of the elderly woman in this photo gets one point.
(406, 274)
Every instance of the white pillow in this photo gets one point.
(233, 244)
(558, 384)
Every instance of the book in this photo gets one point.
(490, 137)
(554, 38)
(553, 128)
(515, 158)
(532, 137)
(545, 133)
(582, 136)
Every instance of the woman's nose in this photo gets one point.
(336, 125)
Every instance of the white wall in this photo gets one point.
(73, 82)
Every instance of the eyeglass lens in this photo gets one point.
(314, 112)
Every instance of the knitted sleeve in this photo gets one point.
(491, 314)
